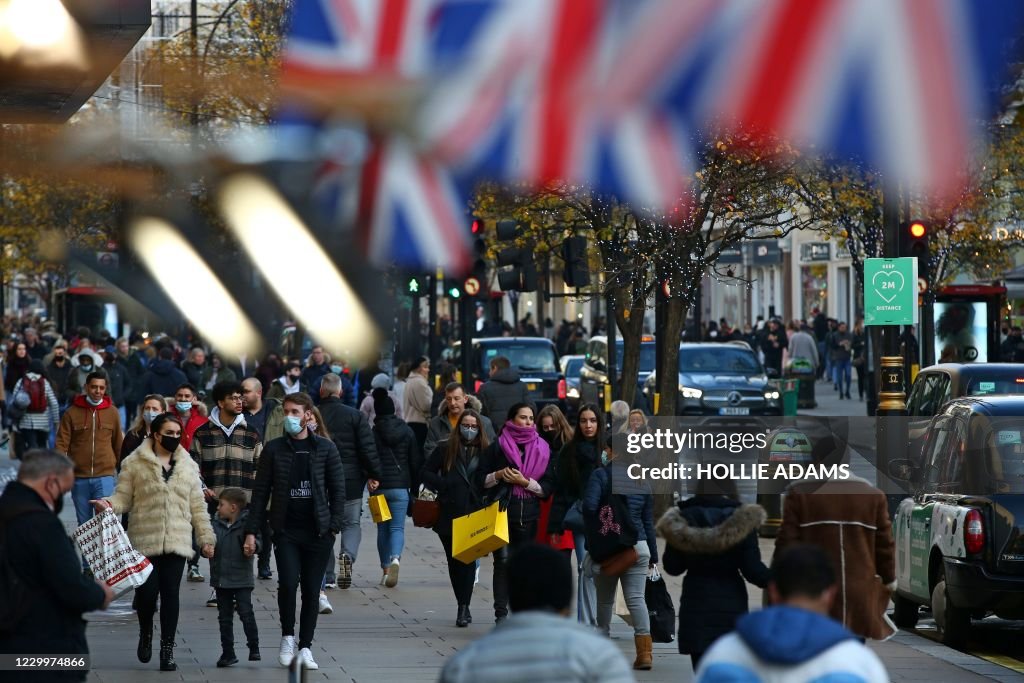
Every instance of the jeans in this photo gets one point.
(634, 583)
(351, 536)
(841, 375)
(86, 489)
(825, 369)
(165, 582)
(123, 412)
(586, 594)
(228, 600)
(391, 534)
(300, 562)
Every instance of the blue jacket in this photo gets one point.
(641, 509)
(791, 645)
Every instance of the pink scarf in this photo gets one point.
(534, 462)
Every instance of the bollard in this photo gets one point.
(297, 671)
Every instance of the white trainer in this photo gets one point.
(306, 655)
(325, 605)
(392, 579)
(287, 652)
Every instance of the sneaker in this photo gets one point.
(266, 574)
(384, 578)
(476, 579)
(306, 655)
(344, 571)
(331, 585)
(325, 605)
(212, 600)
(227, 658)
(254, 653)
(194, 575)
(392, 578)
(287, 652)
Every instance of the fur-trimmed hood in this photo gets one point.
(472, 403)
(725, 526)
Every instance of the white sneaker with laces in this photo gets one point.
(392, 579)
(306, 655)
(325, 605)
(287, 652)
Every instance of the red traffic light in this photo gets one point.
(477, 227)
(918, 230)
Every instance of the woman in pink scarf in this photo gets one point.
(520, 461)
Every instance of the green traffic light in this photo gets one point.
(454, 292)
(414, 286)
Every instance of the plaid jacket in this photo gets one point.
(226, 461)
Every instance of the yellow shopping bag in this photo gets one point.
(379, 509)
(479, 533)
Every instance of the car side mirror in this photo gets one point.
(901, 470)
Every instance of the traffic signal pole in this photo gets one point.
(432, 338)
(466, 326)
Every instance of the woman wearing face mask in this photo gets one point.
(160, 487)
(519, 465)
(152, 406)
(576, 462)
(554, 429)
(450, 472)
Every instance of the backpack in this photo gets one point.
(16, 594)
(36, 390)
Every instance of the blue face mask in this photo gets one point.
(337, 369)
(468, 433)
(293, 425)
(149, 416)
(183, 406)
(604, 457)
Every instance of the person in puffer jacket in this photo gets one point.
(794, 641)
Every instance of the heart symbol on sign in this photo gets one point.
(893, 275)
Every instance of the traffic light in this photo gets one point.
(475, 283)
(914, 236)
(416, 286)
(574, 253)
(522, 276)
(452, 288)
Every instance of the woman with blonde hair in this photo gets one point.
(151, 407)
(636, 423)
(553, 427)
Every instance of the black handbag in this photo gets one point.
(661, 609)
(611, 530)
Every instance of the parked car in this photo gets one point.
(571, 366)
(960, 537)
(594, 373)
(534, 358)
(721, 379)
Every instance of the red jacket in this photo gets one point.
(195, 421)
(91, 436)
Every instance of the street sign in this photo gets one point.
(890, 297)
(472, 286)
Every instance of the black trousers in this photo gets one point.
(460, 574)
(300, 563)
(420, 430)
(263, 561)
(228, 601)
(519, 534)
(165, 583)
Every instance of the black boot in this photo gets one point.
(463, 619)
(227, 657)
(145, 649)
(254, 652)
(167, 662)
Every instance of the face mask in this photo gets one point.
(293, 378)
(604, 457)
(293, 425)
(183, 406)
(149, 416)
(336, 369)
(548, 436)
(92, 402)
(58, 502)
(469, 433)
(86, 367)
(170, 443)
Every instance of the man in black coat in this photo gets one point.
(351, 434)
(45, 567)
(503, 390)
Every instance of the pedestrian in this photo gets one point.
(401, 379)
(803, 347)
(269, 370)
(503, 390)
(213, 374)
(380, 381)
(773, 343)
(83, 362)
(317, 365)
(441, 427)
(59, 371)
(357, 447)
(619, 414)
(43, 571)
(289, 383)
(301, 476)
(712, 538)
(194, 366)
(400, 463)
(637, 422)
(450, 471)
(227, 451)
(134, 363)
(17, 365)
(189, 410)
(231, 575)
(267, 418)
(161, 491)
(840, 347)
(794, 640)
(140, 430)
(35, 346)
(553, 427)
(163, 377)
(416, 399)
(90, 434)
(847, 518)
(576, 462)
(520, 463)
(42, 413)
(537, 643)
(117, 377)
(634, 579)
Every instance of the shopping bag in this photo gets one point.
(661, 609)
(426, 509)
(379, 508)
(109, 553)
(479, 533)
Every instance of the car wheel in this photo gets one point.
(906, 613)
(953, 623)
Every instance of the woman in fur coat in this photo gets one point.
(713, 539)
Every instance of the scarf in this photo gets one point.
(534, 462)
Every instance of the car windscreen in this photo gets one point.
(719, 360)
(524, 357)
(1001, 440)
(647, 356)
(572, 367)
(1004, 383)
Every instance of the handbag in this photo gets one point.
(611, 530)
(109, 554)
(573, 520)
(425, 509)
(660, 608)
(480, 533)
(619, 563)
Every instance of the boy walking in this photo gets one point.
(231, 575)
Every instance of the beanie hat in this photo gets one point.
(382, 403)
(381, 381)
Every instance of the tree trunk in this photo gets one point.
(631, 328)
(668, 375)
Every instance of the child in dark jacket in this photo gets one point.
(231, 575)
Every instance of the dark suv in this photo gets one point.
(534, 358)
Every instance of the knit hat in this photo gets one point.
(419, 362)
(381, 381)
(382, 403)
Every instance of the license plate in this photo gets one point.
(531, 387)
(734, 411)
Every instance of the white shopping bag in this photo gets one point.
(109, 553)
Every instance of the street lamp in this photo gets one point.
(40, 33)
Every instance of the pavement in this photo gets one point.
(378, 635)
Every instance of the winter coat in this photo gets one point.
(398, 452)
(358, 449)
(91, 437)
(789, 645)
(132, 440)
(847, 519)
(226, 461)
(279, 391)
(523, 510)
(440, 428)
(502, 391)
(194, 422)
(193, 373)
(457, 492)
(802, 345)
(837, 352)
(44, 420)
(229, 567)
(15, 370)
(714, 541)
(161, 378)
(162, 515)
(568, 490)
(416, 399)
(311, 376)
(118, 382)
(224, 374)
(59, 377)
(641, 508)
(272, 485)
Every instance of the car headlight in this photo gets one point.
(689, 392)
(771, 395)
